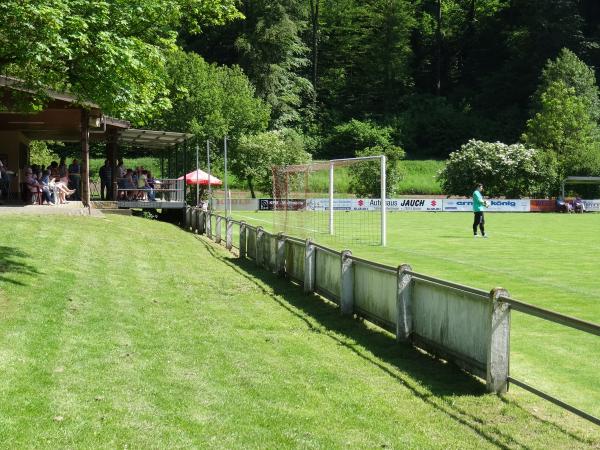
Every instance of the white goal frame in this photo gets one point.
(383, 185)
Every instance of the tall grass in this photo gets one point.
(419, 177)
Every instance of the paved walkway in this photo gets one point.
(69, 209)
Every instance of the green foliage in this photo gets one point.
(565, 120)
(505, 170)
(365, 177)
(109, 52)
(273, 55)
(354, 136)
(565, 127)
(41, 154)
(574, 73)
(255, 155)
(211, 101)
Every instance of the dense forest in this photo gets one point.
(327, 78)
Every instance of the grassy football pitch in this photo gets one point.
(131, 333)
(550, 260)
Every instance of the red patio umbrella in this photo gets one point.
(200, 177)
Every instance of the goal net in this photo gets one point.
(339, 199)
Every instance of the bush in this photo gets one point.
(365, 179)
(505, 170)
(355, 136)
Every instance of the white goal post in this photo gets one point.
(382, 160)
(284, 174)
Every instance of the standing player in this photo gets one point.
(479, 205)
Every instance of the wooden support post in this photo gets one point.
(243, 231)
(280, 255)
(309, 267)
(218, 229)
(347, 284)
(403, 304)
(498, 357)
(260, 254)
(228, 233)
(113, 156)
(85, 158)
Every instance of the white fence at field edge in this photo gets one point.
(467, 326)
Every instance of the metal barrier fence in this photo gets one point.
(467, 326)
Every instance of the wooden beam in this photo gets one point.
(85, 158)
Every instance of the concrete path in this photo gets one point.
(69, 209)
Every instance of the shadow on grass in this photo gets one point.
(11, 264)
(432, 380)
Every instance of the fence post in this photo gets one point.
(280, 255)
(498, 355)
(209, 225)
(347, 284)
(218, 229)
(403, 303)
(309, 267)
(188, 218)
(242, 239)
(194, 220)
(228, 233)
(201, 222)
(260, 233)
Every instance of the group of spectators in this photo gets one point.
(54, 184)
(132, 184)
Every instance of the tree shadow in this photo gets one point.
(434, 381)
(12, 263)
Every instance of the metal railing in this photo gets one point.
(561, 319)
(468, 326)
(164, 191)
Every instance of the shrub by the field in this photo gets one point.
(505, 170)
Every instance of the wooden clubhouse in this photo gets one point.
(66, 118)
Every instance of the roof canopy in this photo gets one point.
(152, 139)
(578, 180)
(61, 121)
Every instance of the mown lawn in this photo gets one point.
(550, 260)
(129, 333)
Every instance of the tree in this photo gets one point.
(109, 52)
(574, 73)
(505, 170)
(273, 56)
(210, 101)
(565, 127)
(352, 137)
(255, 156)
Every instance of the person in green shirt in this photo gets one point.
(479, 206)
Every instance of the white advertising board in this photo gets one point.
(592, 205)
(374, 204)
(496, 205)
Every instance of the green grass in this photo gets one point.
(420, 177)
(128, 333)
(550, 260)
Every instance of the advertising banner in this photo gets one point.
(592, 205)
(542, 205)
(374, 204)
(268, 204)
(496, 205)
